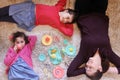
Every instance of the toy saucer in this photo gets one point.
(70, 50)
(55, 56)
(65, 41)
(46, 39)
(42, 57)
(58, 72)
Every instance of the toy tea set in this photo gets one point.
(55, 54)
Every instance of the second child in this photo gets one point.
(18, 58)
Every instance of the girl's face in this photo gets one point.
(19, 42)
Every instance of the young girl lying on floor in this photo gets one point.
(18, 58)
(28, 15)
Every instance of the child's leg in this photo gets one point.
(4, 11)
(4, 15)
(7, 19)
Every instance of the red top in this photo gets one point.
(49, 15)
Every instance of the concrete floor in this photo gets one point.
(44, 69)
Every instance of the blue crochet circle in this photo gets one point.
(70, 50)
(65, 41)
(42, 57)
(58, 57)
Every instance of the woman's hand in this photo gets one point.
(112, 70)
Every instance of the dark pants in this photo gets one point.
(4, 15)
(90, 6)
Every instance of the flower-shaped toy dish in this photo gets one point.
(47, 40)
(69, 50)
(55, 56)
(58, 72)
(42, 57)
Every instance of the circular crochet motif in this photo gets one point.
(58, 72)
(70, 50)
(54, 54)
(46, 39)
(42, 57)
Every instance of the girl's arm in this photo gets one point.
(10, 56)
(67, 29)
(32, 41)
(60, 4)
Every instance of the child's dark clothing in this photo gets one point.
(5, 15)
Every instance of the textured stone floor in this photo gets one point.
(44, 69)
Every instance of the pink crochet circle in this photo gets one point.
(58, 72)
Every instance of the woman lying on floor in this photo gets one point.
(95, 49)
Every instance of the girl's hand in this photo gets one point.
(15, 48)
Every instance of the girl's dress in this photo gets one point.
(21, 71)
(24, 14)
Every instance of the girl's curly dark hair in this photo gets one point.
(19, 34)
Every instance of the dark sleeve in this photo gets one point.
(115, 59)
(74, 68)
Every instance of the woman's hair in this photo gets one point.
(72, 12)
(19, 34)
(97, 75)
